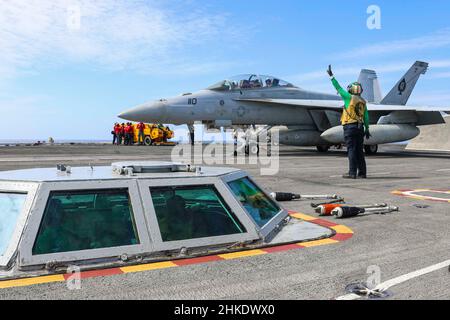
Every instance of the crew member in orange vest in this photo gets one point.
(116, 134)
(131, 139)
(113, 132)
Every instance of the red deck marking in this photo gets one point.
(342, 236)
(285, 247)
(324, 223)
(185, 262)
(96, 273)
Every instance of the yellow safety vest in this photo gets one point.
(354, 113)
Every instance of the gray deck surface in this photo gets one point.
(398, 243)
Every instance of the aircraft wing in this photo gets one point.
(338, 104)
(309, 104)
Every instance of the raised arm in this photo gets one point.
(343, 93)
(366, 119)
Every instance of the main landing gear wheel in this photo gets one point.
(323, 148)
(372, 149)
(252, 149)
(148, 141)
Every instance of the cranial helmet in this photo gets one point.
(355, 88)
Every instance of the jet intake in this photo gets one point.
(381, 133)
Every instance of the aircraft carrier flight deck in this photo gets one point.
(397, 244)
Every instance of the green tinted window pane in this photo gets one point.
(11, 205)
(193, 212)
(82, 220)
(257, 204)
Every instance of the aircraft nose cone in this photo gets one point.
(148, 112)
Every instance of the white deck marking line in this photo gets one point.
(413, 193)
(350, 296)
(369, 175)
(442, 150)
(403, 278)
(442, 170)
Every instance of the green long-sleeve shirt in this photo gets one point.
(347, 97)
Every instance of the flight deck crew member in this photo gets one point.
(127, 134)
(131, 142)
(114, 133)
(141, 127)
(122, 133)
(355, 120)
(117, 134)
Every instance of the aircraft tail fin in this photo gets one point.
(371, 86)
(401, 92)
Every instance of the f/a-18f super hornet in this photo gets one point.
(311, 118)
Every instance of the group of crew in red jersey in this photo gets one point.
(124, 133)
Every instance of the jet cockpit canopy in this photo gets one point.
(249, 81)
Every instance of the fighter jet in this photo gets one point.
(309, 118)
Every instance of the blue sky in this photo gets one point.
(67, 80)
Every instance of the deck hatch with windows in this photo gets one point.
(131, 213)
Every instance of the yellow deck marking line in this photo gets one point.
(30, 281)
(302, 216)
(240, 254)
(316, 243)
(340, 229)
(149, 266)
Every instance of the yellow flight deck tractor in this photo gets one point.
(154, 134)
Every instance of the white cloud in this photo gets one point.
(435, 40)
(145, 36)
(441, 75)
(318, 80)
(440, 64)
(431, 98)
(343, 71)
(351, 71)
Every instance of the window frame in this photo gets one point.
(276, 219)
(30, 189)
(155, 233)
(37, 215)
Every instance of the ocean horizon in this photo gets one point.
(31, 141)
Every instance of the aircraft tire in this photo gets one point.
(148, 141)
(254, 149)
(371, 149)
(323, 149)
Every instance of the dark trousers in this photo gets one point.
(141, 137)
(120, 138)
(128, 139)
(114, 138)
(354, 139)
